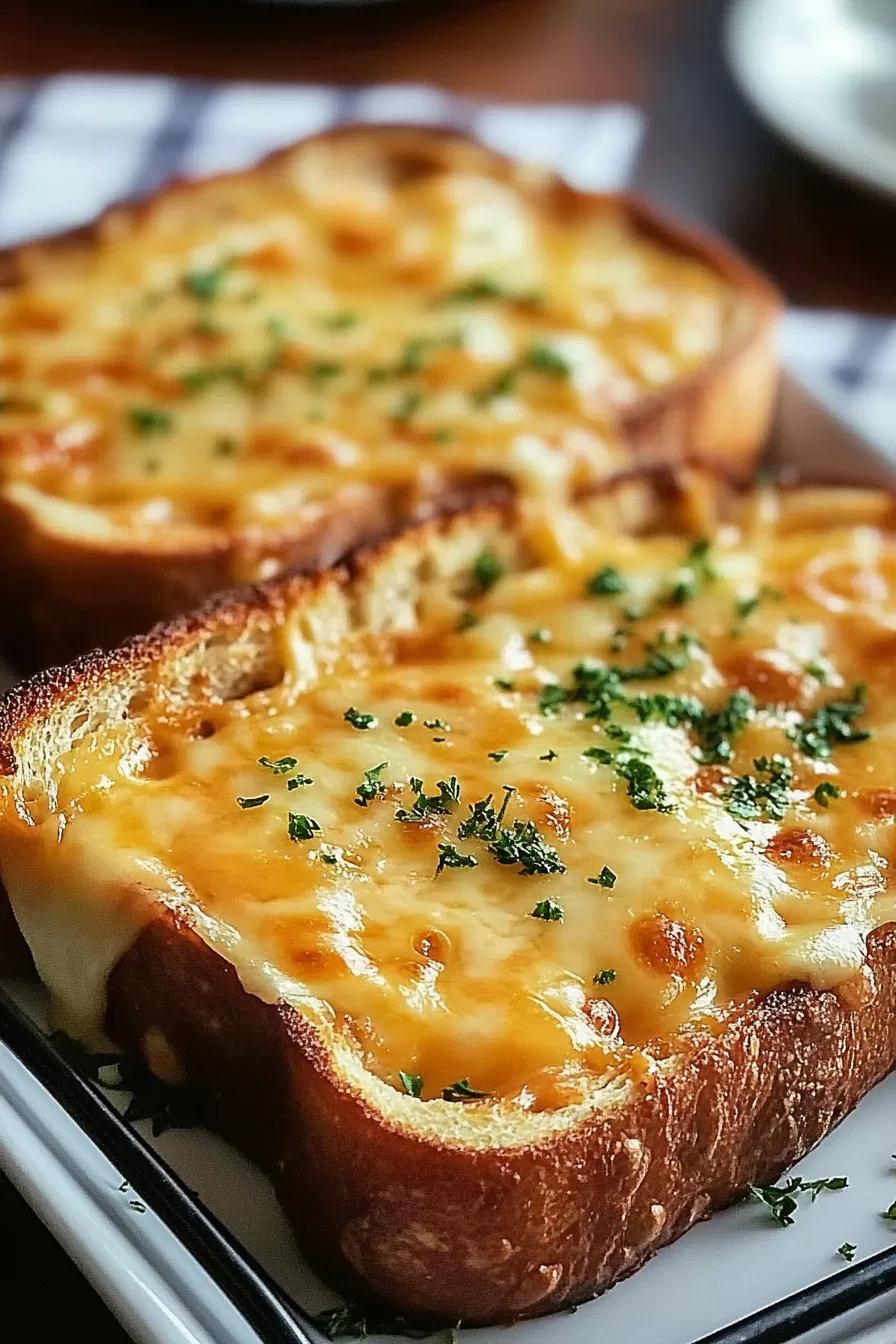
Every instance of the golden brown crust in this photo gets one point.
(435, 1225)
(66, 593)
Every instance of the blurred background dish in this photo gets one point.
(823, 73)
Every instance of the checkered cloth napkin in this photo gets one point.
(71, 144)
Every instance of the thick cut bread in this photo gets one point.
(256, 371)
(493, 1055)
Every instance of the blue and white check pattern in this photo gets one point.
(71, 144)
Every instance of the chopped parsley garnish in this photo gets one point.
(302, 827)
(405, 719)
(225, 446)
(150, 420)
(645, 788)
(461, 1091)
(890, 1213)
(847, 1251)
(552, 911)
(487, 570)
(437, 724)
(339, 321)
(603, 978)
(485, 288)
(467, 620)
(545, 358)
(824, 791)
(412, 356)
(451, 857)
(299, 781)
(549, 756)
(781, 1200)
(541, 635)
(503, 683)
(279, 767)
(551, 697)
(816, 670)
(196, 380)
(407, 406)
(321, 370)
(714, 731)
(439, 804)
(358, 719)
(744, 607)
(664, 656)
(831, 725)
(207, 284)
(606, 582)
(502, 385)
(497, 755)
(748, 798)
(412, 1083)
(605, 878)
(372, 785)
(483, 821)
(694, 574)
(521, 843)
(253, 802)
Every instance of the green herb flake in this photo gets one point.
(605, 582)
(830, 726)
(206, 284)
(824, 791)
(279, 767)
(540, 636)
(412, 1083)
(544, 358)
(748, 798)
(549, 756)
(467, 620)
(438, 725)
(147, 420)
(407, 406)
(549, 910)
(744, 607)
(890, 1213)
(339, 321)
(691, 578)
(603, 978)
(816, 670)
(503, 684)
(359, 720)
(605, 878)
(497, 755)
(225, 447)
(440, 803)
(299, 782)
(847, 1251)
(302, 827)
(522, 844)
(487, 570)
(551, 697)
(451, 857)
(245, 803)
(405, 719)
(461, 1091)
(372, 786)
(781, 1200)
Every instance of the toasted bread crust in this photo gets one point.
(430, 1224)
(68, 591)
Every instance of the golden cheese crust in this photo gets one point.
(488, 1210)
(264, 369)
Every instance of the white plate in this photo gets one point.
(823, 72)
(722, 1270)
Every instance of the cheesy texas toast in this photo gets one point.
(259, 370)
(514, 899)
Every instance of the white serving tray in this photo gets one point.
(723, 1270)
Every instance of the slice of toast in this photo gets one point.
(260, 370)
(515, 899)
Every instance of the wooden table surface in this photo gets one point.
(706, 155)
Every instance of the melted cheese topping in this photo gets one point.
(240, 349)
(641, 865)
